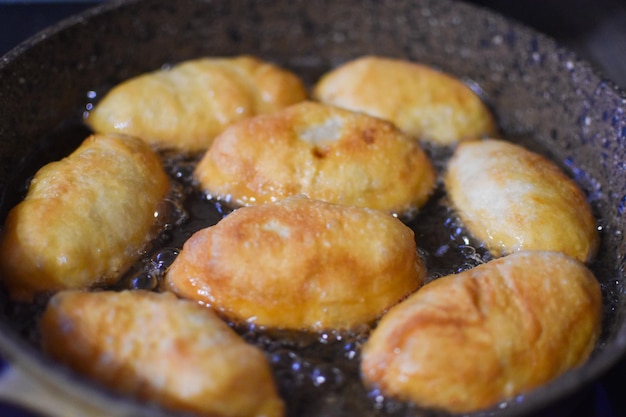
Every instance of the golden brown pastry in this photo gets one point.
(467, 341)
(300, 264)
(514, 199)
(186, 106)
(85, 218)
(322, 151)
(427, 104)
(162, 349)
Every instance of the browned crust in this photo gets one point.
(466, 341)
(158, 348)
(300, 264)
(427, 104)
(321, 151)
(85, 218)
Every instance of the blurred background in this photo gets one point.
(594, 29)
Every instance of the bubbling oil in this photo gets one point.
(317, 374)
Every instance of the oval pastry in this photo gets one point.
(427, 104)
(513, 199)
(465, 342)
(324, 152)
(162, 349)
(85, 218)
(300, 264)
(186, 106)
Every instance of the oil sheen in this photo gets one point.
(317, 373)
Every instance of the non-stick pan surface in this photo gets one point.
(540, 93)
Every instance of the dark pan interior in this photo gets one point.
(541, 94)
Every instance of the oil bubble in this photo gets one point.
(329, 376)
(144, 281)
(163, 258)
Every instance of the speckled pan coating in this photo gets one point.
(537, 90)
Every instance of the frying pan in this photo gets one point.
(540, 93)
